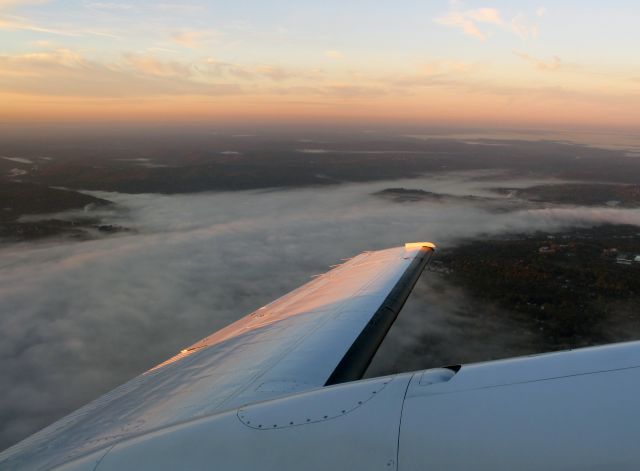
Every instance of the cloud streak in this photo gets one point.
(12, 22)
(477, 22)
(192, 39)
(554, 64)
(63, 72)
(467, 21)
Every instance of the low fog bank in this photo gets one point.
(80, 318)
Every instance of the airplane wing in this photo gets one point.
(323, 333)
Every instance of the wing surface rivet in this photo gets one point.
(318, 406)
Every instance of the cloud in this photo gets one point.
(114, 6)
(354, 91)
(17, 23)
(215, 68)
(33, 63)
(485, 15)
(451, 67)
(522, 28)
(333, 54)
(219, 68)
(13, 23)
(273, 72)
(151, 65)
(469, 21)
(541, 11)
(462, 22)
(64, 72)
(179, 8)
(6, 4)
(192, 39)
(470, 86)
(154, 49)
(96, 313)
(554, 64)
(43, 43)
(336, 91)
(437, 73)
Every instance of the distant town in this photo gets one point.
(568, 286)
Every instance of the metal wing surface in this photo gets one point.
(324, 332)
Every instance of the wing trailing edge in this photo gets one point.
(355, 362)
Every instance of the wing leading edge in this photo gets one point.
(324, 332)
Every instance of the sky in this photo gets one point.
(541, 64)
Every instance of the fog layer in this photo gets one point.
(79, 318)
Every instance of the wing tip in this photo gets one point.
(419, 245)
